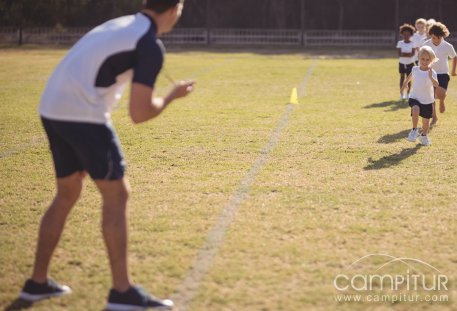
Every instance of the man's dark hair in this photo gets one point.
(160, 6)
(407, 27)
(439, 30)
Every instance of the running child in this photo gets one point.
(406, 49)
(419, 37)
(430, 23)
(422, 97)
(443, 50)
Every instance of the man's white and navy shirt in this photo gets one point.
(90, 80)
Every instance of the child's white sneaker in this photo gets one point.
(412, 136)
(425, 140)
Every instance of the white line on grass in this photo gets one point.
(302, 86)
(36, 140)
(214, 240)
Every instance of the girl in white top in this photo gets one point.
(420, 36)
(428, 25)
(406, 50)
(422, 97)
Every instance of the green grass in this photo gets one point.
(342, 183)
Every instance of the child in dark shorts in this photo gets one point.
(421, 98)
(443, 51)
(406, 52)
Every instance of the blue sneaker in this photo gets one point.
(136, 299)
(33, 291)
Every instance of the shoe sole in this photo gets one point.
(122, 307)
(33, 298)
(413, 141)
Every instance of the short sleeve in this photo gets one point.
(148, 61)
(399, 45)
(452, 53)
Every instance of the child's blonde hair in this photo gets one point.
(421, 21)
(429, 51)
(430, 23)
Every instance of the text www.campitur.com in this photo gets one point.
(392, 298)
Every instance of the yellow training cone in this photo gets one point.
(294, 96)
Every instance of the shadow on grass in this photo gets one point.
(19, 304)
(391, 138)
(391, 160)
(393, 105)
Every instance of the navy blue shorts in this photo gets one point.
(90, 147)
(443, 80)
(425, 111)
(403, 68)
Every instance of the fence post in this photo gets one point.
(20, 35)
(208, 22)
(302, 22)
(397, 18)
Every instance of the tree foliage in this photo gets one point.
(63, 12)
(269, 14)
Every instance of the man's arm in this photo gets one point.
(144, 107)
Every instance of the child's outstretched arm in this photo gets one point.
(434, 80)
(454, 65)
(405, 83)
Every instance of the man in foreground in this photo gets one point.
(75, 111)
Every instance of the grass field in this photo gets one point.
(341, 183)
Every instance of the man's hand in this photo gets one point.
(144, 106)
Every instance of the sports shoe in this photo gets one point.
(412, 136)
(33, 291)
(425, 140)
(136, 299)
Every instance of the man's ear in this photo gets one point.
(174, 9)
